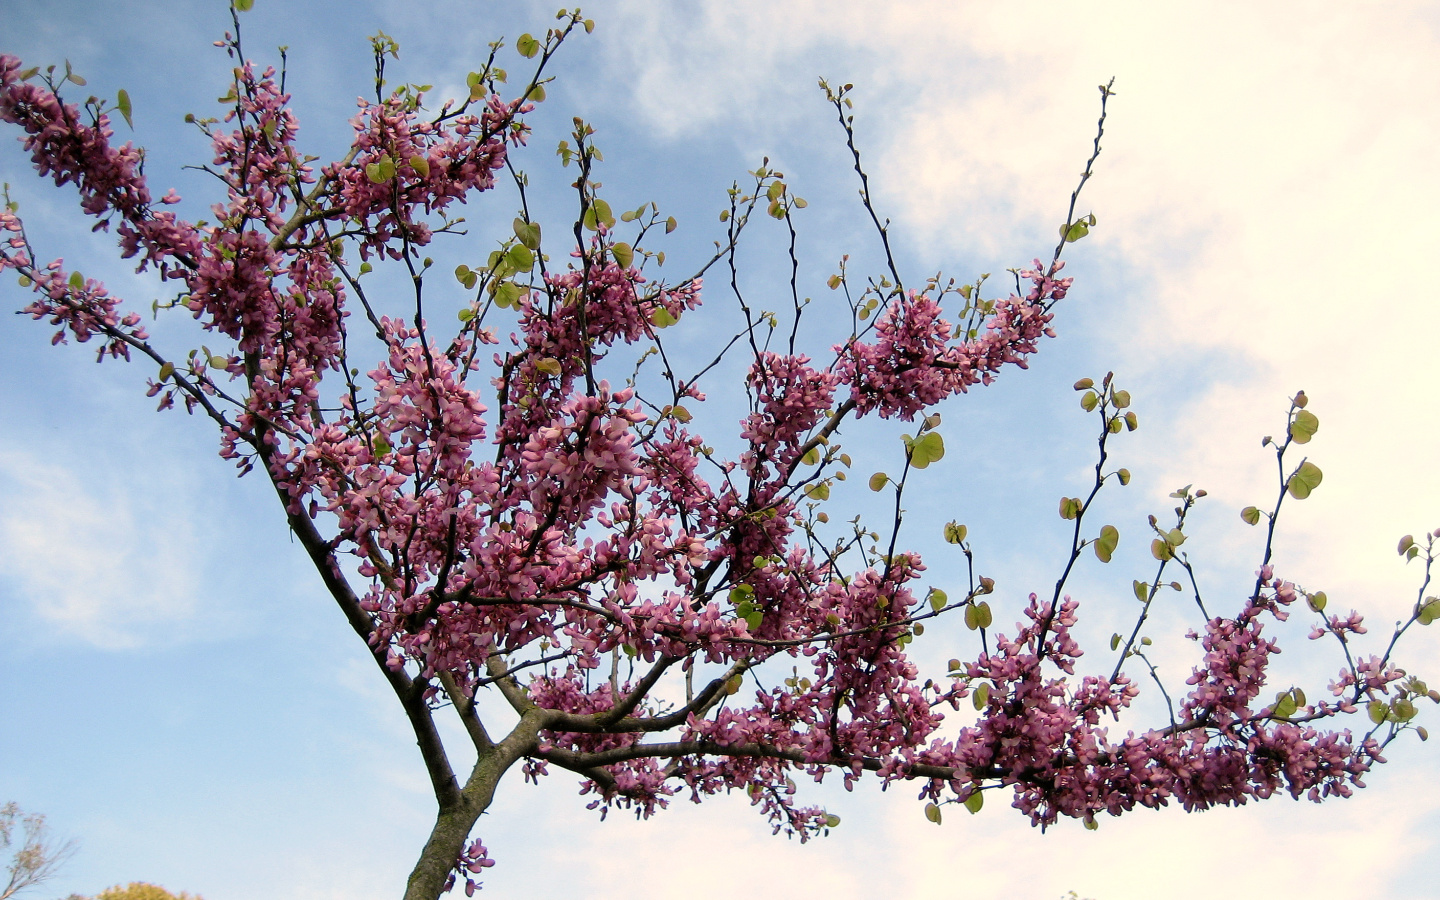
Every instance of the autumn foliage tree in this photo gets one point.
(521, 503)
(141, 890)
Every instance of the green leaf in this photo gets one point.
(1083, 384)
(1303, 428)
(1114, 641)
(602, 213)
(1402, 709)
(955, 533)
(878, 481)
(671, 224)
(811, 457)
(1305, 480)
(981, 695)
(1285, 707)
(1075, 232)
(662, 318)
(938, 599)
(820, 491)
(1069, 508)
(366, 268)
(77, 281)
(527, 233)
(527, 46)
(1089, 400)
(982, 615)
(1377, 710)
(244, 5)
(507, 294)
(420, 164)
(1250, 515)
(732, 686)
(832, 821)
(549, 365)
(974, 802)
(1123, 475)
(1120, 399)
(1174, 537)
(122, 103)
(1316, 601)
(932, 813)
(1160, 549)
(1142, 591)
(1105, 545)
(166, 370)
(624, 255)
(1429, 611)
(1406, 543)
(520, 258)
(465, 314)
(926, 449)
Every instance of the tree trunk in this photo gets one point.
(454, 821)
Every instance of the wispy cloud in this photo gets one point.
(92, 560)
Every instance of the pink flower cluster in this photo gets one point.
(912, 364)
(433, 165)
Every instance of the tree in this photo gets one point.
(614, 577)
(38, 857)
(140, 890)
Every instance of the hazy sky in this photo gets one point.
(180, 696)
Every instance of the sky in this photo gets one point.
(178, 696)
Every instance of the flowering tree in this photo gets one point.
(523, 505)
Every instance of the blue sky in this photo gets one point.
(179, 695)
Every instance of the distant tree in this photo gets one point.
(37, 858)
(141, 890)
(660, 601)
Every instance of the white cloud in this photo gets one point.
(1267, 192)
(93, 560)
